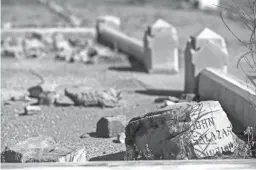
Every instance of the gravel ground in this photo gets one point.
(66, 124)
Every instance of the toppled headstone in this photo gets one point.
(92, 97)
(79, 156)
(182, 131)
(110, 126)
(35, 149)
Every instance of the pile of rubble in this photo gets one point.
(36, 45)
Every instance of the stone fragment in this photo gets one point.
(79, 156)
(34, 149)
(64, 101)
(93, 97)
(110, 126)
(186, 130)
(187, 97)
(121, 138)
(47, 98)
(28, 110)
(33, 48)
(35, 91)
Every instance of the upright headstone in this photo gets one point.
(161, 48)
(110, 21)
(205, 49)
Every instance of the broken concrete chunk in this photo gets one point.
(182, 131)
(35, 149)
(93, 97)
(110, 126)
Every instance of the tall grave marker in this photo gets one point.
(205, 49)
(161, 48)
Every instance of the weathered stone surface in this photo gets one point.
(79, 156)
(47, 98)
(35, 91)
(93, 97)
(110, 126)
(34, 48)
(35, 149)
(63, 101)
(182, 131)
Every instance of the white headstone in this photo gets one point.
(208, 34)
(161, 47)
(210, 55)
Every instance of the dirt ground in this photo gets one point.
(139, 89)
(66, 124)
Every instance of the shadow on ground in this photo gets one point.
(158, 92)
(110, 157)
(135, 66)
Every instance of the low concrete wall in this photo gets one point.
(236, 98)
(122, 42)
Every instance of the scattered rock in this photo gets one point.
(63, 101)
(84, 136)
(167, 103)
(35, 91)
(181, 131)
(110, 126)
(121, 138)
(34, 48)
(34, 149)
(89, 97)
(79, 156)
(47, 98)
(29, 110)
(187, 97)
(169, 98)
(11, 47)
